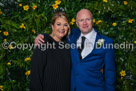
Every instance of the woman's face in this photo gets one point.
(60, 27)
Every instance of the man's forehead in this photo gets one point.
(84, 14)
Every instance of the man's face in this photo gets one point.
(84, 21)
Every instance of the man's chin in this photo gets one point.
(84, 31)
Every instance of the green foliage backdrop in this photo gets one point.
(22, 20)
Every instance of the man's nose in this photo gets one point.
(85, 22)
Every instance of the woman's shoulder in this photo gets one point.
(43, 47)
(48, 39)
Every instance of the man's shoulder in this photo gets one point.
(106, 38)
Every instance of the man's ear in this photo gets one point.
(92, 22)
(76, 23)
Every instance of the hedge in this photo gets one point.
(22, 20)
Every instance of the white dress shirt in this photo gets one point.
(89, 43)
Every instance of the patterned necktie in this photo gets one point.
(80, 49)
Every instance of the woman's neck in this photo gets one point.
(55, 38)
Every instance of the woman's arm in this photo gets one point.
(36, 76)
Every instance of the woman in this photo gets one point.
(50, 69)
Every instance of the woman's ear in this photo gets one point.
(69, 30)
(52, 26)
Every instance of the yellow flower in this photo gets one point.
(0, 31)
(20, 5)
(28, 72)
(22, 26)
(27, 59)
(34, 7)
(122, 73)
(125, 2)
(99, 21)
(5, 40)
(55, 6)
(6, 33)
(34, 31)
(1, 12)
(73, 20)
(105, 1)
(114, 24)
(93, 20)
(130, 20)
(121, 78)
(26, 7)
(9, 63)
(134, 42)
(57, 2)
(10, 47)
(1, 87)
(71, 23)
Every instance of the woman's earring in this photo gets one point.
(53, 35)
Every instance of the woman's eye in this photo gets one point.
(58, 24)
(66, 25)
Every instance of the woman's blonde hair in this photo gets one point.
(62, 15)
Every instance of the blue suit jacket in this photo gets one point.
(85, 74)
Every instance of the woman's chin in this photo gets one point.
(62, 35)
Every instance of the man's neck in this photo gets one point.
(84, 34)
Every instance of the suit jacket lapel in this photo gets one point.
(73, 39)
(94, 49)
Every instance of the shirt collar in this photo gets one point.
(89, 35)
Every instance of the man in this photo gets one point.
(87, 61)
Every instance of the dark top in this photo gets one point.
(50, 68)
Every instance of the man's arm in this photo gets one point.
(39, 39)
(109, 71)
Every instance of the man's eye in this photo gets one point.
(88, 19)
(80, 20)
